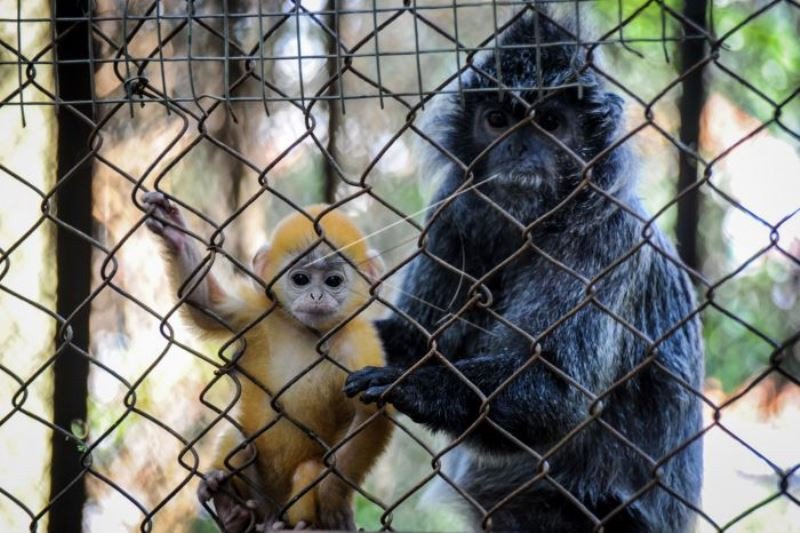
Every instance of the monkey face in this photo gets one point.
(533, 124)
(532, 154)
(529, 150)
(320, 290)
(315, 294)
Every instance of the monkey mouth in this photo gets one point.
(313, 312)
(313, 315)
(525, 179)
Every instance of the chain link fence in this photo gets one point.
(242, 112)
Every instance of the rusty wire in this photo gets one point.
(140, 73)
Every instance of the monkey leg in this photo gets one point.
(351, 462)
(235, 485)
(304, 510)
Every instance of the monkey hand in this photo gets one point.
(165, 219)
(232, 515)
(383, 385)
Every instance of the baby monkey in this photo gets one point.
(319, 291)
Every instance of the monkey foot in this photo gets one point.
(234, 516)
(339, 519)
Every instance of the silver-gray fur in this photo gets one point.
(646, 474)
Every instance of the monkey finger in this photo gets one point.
(237, 520)
(155, 199)
(369, 377)
(210, 485)
(373, 395)
(151, 196)
(353, 387)
(205, 492)
(251, 504)
(404, 397)
(357, 381)
(155, 226)
(162, 208)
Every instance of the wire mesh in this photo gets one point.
(242, 112)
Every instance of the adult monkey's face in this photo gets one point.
(533, 115)
(531, 149)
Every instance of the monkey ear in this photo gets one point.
(374, 266)
(261, 260)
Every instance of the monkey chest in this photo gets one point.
(308, 388)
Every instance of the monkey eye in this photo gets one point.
(300, 279)
(548, 120)
(496, 119)
(334, 281)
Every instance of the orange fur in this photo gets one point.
(280, 351)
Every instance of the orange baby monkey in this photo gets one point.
(319, 291)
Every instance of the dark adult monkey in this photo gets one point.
(595, 286)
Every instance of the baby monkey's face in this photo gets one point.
(317, 289)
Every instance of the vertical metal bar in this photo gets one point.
(19, 64)
(417, 49)
(73, 259)
(458, 53)
(334, 66)
(377, 51)
(691, 105)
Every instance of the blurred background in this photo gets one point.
(242, 109)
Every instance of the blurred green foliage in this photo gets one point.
(758, 70)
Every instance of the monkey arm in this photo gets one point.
(403, 344)
(210, 306)
(536, 406)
